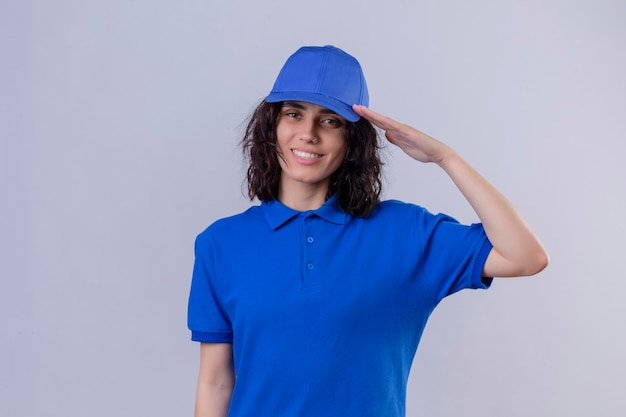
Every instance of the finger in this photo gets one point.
(383, 122)
(369, 114)
(391, 139)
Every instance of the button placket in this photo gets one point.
(310, 275)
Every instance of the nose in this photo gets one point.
(308, 133)
(309, 139)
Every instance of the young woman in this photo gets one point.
(313, 303)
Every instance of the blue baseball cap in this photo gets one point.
(322, 75)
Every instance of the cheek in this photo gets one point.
(341, 154)
(281, 150)
(281, 135)
(340, 161)
(279, 141)
(338, 158)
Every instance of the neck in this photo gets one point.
(304, 197)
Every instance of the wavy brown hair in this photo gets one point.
(356, 183)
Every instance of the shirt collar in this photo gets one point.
(277, 214)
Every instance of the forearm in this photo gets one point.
(516, 249)
(216, 380)
(213, 399)
(518, 252)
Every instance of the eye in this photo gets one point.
(332, 122)
(291, 114)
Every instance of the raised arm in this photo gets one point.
(516, 250)
(215, 381)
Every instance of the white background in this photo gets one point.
(119, 125)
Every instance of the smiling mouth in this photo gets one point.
(306, 155)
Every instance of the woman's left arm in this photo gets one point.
(516, 250)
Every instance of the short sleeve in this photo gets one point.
(205, 316)
(454, 254)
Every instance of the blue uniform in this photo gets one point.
(325, 310)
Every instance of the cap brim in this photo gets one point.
(342, 109)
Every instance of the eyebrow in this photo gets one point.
(302, 106)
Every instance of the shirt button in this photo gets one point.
(310, 266)
(310, 239)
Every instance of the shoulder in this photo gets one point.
(393, 217)
(391, 209)
(227, 226)
(396, 205)
(404, 214)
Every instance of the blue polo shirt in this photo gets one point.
(325, 310)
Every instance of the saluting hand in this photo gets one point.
(414, 143)
(516, 250)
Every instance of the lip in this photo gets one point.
(306, 157)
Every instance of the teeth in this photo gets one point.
(306, 155)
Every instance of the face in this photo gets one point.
(311, 145)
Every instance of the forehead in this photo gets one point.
(305, 105)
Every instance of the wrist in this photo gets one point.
(449, 158)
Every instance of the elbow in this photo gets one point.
(537, 263)
(522, 264)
